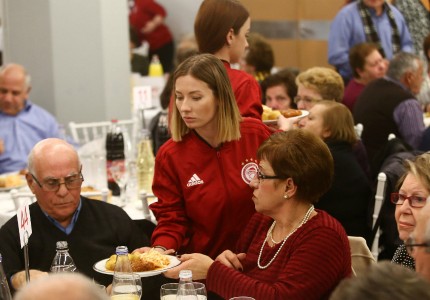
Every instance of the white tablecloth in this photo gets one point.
(7, 208)
(133, 208)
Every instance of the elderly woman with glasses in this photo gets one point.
(289, 249)
(313, 85)
(412, 196)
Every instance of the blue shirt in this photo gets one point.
(347, 30)
(21, 132)
(69, 227)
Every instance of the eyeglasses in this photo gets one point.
(297, 99)
(71, 182)
(414, 201)
(259, 176)
(375, 63)
(410, 244)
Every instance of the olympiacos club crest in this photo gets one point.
(249, 170)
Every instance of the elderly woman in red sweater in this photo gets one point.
(289, 250)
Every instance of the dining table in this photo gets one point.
(134, 206)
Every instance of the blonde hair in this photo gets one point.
(324, 81)
(338, 120)
(209, 69)
(420, 168)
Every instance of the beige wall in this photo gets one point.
(300, 37)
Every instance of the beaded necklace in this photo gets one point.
(269, 235)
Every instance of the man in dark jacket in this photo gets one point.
(388, 105)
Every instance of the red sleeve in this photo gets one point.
(172, 222)
(248, 97)
(247, 92)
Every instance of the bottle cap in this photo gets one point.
(185, 274)
(121, 250)
(62, 245)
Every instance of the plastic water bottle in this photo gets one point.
(62, 261)
(155, 67)
(124, 285)
(4, 286)
(186, 290)
(114, 154)
(145, 162)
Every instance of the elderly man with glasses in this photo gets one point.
(92, 228)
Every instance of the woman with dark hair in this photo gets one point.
(279, 90)
(259, 58)
(289, 250)
(221, 28)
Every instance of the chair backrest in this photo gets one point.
(144, 197)
(358, 130)
(379, 199)
(86, 132)
(21, 198)
(361, 257)
(97, 195)
(391, 136)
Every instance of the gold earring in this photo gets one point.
(286, 196)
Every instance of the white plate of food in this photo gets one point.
(171, 261)
(292, 114)
(10, 181)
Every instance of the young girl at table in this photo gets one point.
(221, 28)
(202, 174)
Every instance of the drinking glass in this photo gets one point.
(120, 175)
(126, 287)
(168, 291)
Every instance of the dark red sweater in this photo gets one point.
(309, 266)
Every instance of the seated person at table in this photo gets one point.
(367, 64)
(348, 197)
(22, 122)
(383, 280)
(64, 286)
(92, 228)
(279, 90)
(389, 105)
(316, 84)
(414, 186)
(289, 250)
